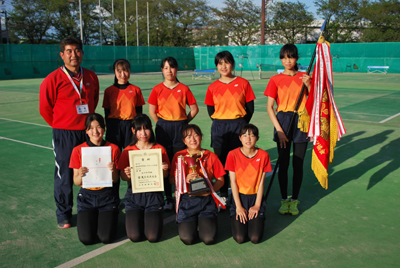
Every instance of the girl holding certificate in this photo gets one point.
(167, 108)
(97, 207)
(247, 166)
(144, 211)
(196, 213)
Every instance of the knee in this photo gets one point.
(87, 240)
(240, 239)
(187, 240)
(106, 239)
(255, 239)
(209, 240)
(153, 238)
(135, 238)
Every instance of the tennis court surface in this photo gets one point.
(355, 223)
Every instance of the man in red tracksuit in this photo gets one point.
(66, 97)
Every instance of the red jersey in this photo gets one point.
(210, 162)
(171, 103)
(124, 159)
(76, 157)
(58, 99)
(229, 100)
(122, 102)
(286, 90)
(248, 170)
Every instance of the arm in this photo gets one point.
(106, 114)
(210, 110)
(253, 211)
(307, 82)
(249, 111)
(165, 169)
(115, 172)
(194, 109)
(139, 109)
(281, 134)
(219, 182)
(46, 100)
(126, 174)
(153, 113)
(171, 179)
(241, 213)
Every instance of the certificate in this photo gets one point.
(146, 171)
(95, 159)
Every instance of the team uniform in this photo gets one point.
(58, 100)
(142, 203)
(122, 102)
(248, 173)
(100, 203)
(197, 215)
(229, 101)
(285, 90)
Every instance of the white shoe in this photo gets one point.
(168, 206)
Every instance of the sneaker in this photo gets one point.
(293, 207)
(169, 206)
(284, 207)
(64, 224)
(225, 199)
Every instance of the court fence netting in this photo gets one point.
(37, 61)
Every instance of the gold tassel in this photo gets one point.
(319, 170)
(304, 121)
(333, 136)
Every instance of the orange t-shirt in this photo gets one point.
(286, 90)
(248, 170)
(229, 100)
(123, 102)
(171, 103)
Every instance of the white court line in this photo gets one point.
(24, 122)
(40, 146)
(387, 119)
(344, 112)
(103, 249)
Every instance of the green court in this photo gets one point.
(355, 223)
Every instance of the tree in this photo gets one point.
(241, 19)
(30, 20)
(382, 21)
(288, 22)
(344, 20)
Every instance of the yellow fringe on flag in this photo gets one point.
(319, 170)
(333, 136)
(304, 121)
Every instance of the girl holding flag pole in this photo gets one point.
(285, 89)
(196, 211)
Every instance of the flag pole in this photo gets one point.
(295, 110)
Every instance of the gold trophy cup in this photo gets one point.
(198, 184)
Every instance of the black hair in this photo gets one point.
(142, 121)
(195, 128)
(94, 117)
(289, 50)
(70, 40)
(249, 127)
(171, 61)
(226, 56)
(126, 66)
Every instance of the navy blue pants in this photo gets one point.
(63, 143)
(119, 132)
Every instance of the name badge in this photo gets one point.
(82, 108)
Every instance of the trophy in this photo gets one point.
(198, 184)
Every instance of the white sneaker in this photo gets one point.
(168, 206)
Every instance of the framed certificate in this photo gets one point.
(96, 160)
(146, 171)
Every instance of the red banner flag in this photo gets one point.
(321, 118)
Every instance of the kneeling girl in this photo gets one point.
(144, 211)
(97, 207)
(198, 211)
(247, 166)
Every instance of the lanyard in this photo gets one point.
(73, 84)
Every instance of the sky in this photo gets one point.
(309, 4)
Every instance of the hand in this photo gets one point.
(110, 166)
(127, 171)
(82, 171)
(241, 214)
(282, 139)
(253, 212)
(307, 80)
(190, 177)
(164, 166)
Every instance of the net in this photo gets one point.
(266, 71)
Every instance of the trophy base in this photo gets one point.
(198, 185)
